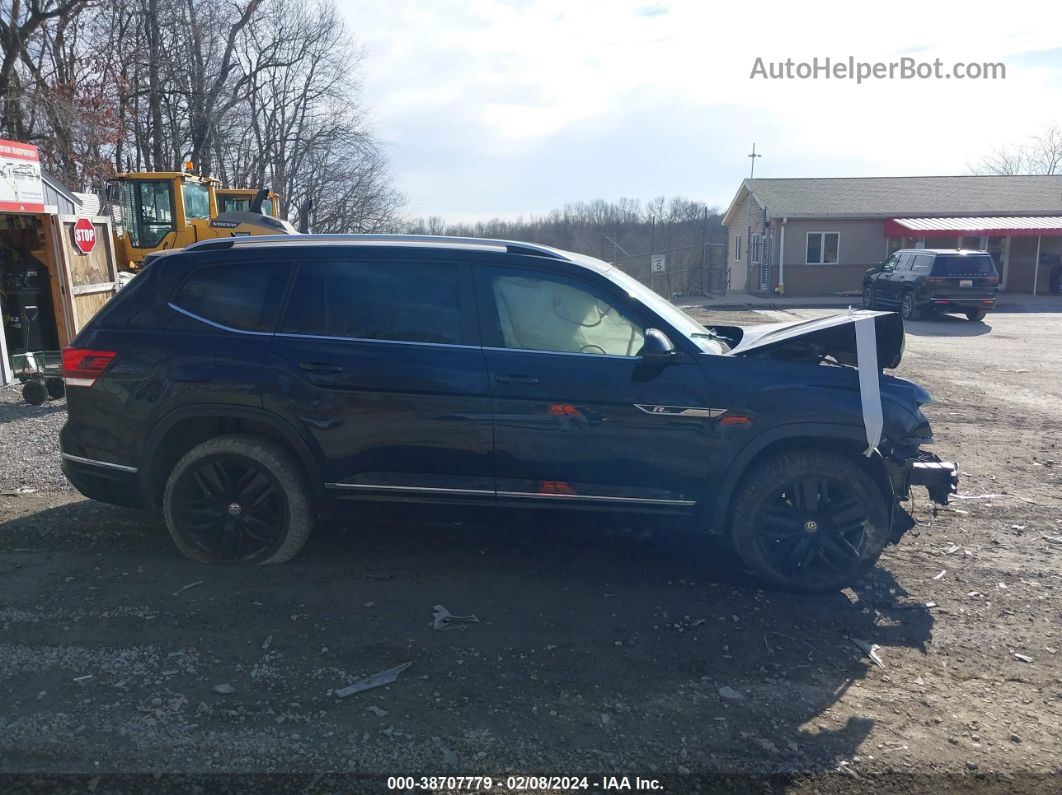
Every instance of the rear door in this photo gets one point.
(378, 360)
(579, 419)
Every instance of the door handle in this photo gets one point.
(515, 379)
(320, 367)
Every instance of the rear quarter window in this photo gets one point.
(245, 296)
(964, 266)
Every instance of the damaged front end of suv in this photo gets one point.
(854, 348)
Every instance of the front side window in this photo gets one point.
(394, 300)
(245, 296)
(538, 312)
(196, 200)
(234, 204)
(822, 248)
(147, 212)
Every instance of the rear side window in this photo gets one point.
(978, 265)
(922, 263)
(244, 296)
(393, 300)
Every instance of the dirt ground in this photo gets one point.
(601, 649)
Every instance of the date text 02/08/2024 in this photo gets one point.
(523, 783)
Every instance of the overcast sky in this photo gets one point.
(491, 108)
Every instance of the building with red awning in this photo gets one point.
(818, 236)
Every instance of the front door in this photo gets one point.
(380, 361)
(579, 419)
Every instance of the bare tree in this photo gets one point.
(20, 23)
(689, 233)
(257, 92)
(1041, 154)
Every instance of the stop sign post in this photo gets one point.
(84, 235)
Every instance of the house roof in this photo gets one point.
(890, 197)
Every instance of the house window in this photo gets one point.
(737, 248)
(822, 248)
(756, 249)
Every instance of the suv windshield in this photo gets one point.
(958, 265)
(698, 334)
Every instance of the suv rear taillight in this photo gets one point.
(81, 366)
(991, 280)
(936, 280)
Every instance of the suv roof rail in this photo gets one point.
(510, 246)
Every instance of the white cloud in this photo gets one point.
(497, 108)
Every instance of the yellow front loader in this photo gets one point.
(158, 210)
(243, 199)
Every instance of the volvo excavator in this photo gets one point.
(157, 210)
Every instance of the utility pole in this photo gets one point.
(752, 157)
(705, 280)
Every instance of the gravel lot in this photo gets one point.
(30, 443)
(601, 649)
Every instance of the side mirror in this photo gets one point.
(657, 347)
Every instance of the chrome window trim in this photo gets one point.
(294, 335)
(562, 353)
(221, 326)
(93, 462)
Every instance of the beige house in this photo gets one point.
(818, 236)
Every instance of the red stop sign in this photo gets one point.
(84, 235)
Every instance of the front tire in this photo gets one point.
(868, 297)
(908, 308)
(809, 521)
(239, 500)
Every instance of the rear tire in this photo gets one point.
(976, 314)
(238, 500)
(809, 521)
(909, 310)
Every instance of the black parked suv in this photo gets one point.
(920, 280)
(248, 387)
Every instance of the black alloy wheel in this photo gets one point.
(230, 508)
(868, 297)
(812, 527)
(908, 309)
(810, 521)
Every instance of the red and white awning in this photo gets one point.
(1017, 226)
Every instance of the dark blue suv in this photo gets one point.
(248, 387)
